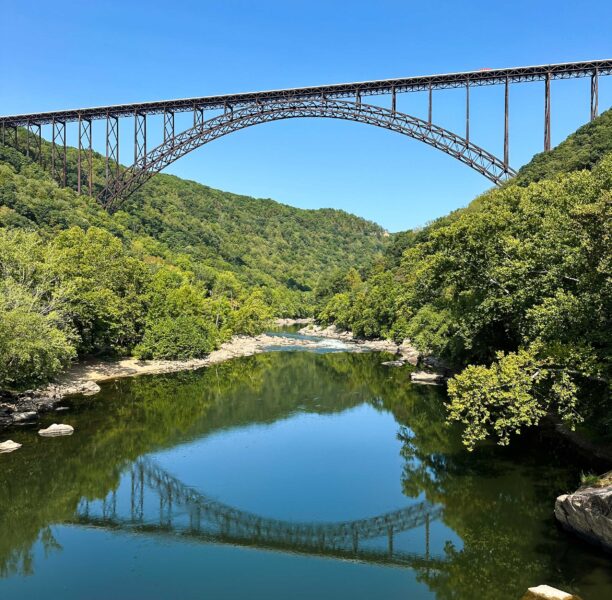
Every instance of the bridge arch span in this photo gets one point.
(230, 121)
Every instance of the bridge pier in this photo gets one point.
(594, 93)
(112, 148)
(467, 111)
(198, 116)
(168, 125)
(390, 540)
(506, 123)
(58, 138)
(85, 148)
(140, 138)
(34, 129)
(547, 112)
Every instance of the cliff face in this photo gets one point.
(588, 512)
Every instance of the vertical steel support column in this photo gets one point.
(594, 94)
(40, 155)
(28, 139)
(393, 99)
(79, 155)
(547, 112)
(198, 116)
(358, 98)
(3, 134)
(16, 138)
(430, 112)
(140, 139)
(467, 111)
(58, 134)
(85, 147)
(112, 148)
(506, 124)
(390, 540)
(168, 125)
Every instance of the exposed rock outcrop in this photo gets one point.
(427, 378)
(588, 512)
(409, 353)
(9, 446)
(545, 592)
(56, 430)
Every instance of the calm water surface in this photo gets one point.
(283, 475)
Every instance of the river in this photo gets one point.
(290, 474)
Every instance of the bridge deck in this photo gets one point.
(341, 90)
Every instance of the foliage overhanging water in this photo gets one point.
(284, 474)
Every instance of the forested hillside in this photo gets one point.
(514, 291)
(172, 273)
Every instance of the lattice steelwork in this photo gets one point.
(159, 503)
(140, 140)
(343, 101)
(198, 116)
(112, 149)
(85, 155)
(168, 126)
(58, 151)
(33, 132)
(442, 139)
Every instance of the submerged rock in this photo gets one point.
(393, 363)
(427, 378)
(545, 592)
(22, 417)
(588, 512)
(9, 446)
(55, 430)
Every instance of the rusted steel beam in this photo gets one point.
(335, 91)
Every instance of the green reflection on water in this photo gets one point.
(499, 501)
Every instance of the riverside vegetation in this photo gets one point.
(514, 291)
(178, 270)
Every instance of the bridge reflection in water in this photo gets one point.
(183, 513)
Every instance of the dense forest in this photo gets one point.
(514, 292)
(173, 273)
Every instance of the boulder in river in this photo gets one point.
(55, 430)
(9, 446)
(393, 363)
(545, 592)
(23, 417)
(427, 378)
(408, 352)
(588, 512)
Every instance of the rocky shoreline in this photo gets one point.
(587, 512)
(83, 378)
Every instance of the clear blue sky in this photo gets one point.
(68, 54)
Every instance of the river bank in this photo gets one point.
(84, 377)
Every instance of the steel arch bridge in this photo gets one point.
(337, 101)
(176, 510)
(175, 147)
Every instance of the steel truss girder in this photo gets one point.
(336, 91)
(157, 159)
